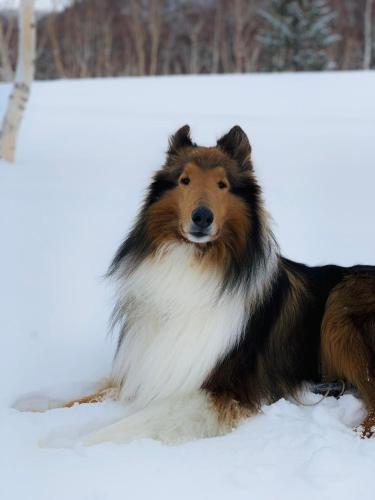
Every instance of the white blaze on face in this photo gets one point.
(201, 239)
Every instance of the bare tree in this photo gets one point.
(139, 36)
(155, 21)
(88, 38)
(24, 77)
(105, 53)
(55, 45)
(368, 35)
(238, 42)
(217, 35)
(194, 47)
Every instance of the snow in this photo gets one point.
(86, 152)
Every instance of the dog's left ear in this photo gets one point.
(181, 139)
(236, 145)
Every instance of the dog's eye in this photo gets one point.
(185, 180)
(222, 184)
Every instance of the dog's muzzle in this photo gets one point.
(201, 228)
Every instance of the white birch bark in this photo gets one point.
(368, 35)
(24, 77)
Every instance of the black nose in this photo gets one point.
(202, 217)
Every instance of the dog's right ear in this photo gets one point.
(181, 139)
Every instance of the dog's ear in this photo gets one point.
(181, 139)
(236, 145)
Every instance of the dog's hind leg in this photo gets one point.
(348, 340)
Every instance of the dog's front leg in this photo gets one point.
(173, 420)
(41, 402)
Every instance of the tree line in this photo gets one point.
(94, 38)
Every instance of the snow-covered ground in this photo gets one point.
(86, 152)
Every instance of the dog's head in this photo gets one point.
(207, 197)
(203, 194)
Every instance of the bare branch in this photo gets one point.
(368, 35)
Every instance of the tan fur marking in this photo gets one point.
(203, 189)
(162, 221)
(230, 412)
(367, 428)
(170, 217)
(97, 397)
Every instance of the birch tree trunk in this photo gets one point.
(217, 35)
(368, 35)
(155, 18)
(238, 42)
(55, 45)
(24, 77)
(139, 36)
(194, 48)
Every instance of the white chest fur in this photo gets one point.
(178, 326)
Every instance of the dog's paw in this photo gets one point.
(67, 395)
(367, 428)
(364, 432)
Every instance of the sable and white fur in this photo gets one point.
(179, 325)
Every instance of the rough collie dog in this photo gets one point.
(213, 321)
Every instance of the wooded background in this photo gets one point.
(92, 38)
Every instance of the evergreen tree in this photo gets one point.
(297, 34)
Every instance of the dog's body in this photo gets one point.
(213, 321)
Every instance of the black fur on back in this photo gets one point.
(274, 357)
